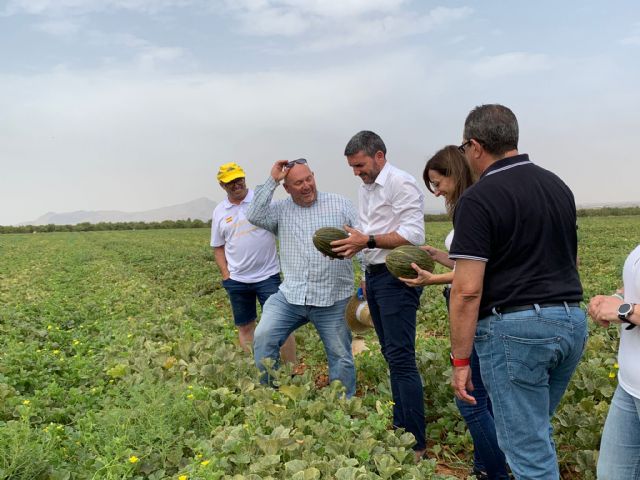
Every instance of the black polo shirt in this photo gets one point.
(521, 220)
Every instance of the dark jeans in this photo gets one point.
(393, 308)
(487, 456)
(243, 297)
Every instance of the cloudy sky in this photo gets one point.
(133, 104)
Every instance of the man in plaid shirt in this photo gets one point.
(316, 288)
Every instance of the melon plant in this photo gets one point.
(323, 237)
(400, 259)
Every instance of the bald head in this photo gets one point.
(301, 185)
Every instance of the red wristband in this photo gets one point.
(459, 362)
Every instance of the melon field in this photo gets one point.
(119, 359)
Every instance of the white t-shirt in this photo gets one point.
(250, 251)
(448, 240)
(629, 352)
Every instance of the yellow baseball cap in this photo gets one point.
(229, 172)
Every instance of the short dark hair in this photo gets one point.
(493, 126)
(366, 141)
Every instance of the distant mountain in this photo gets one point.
(200, 208)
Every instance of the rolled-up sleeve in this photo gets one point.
(408, 206)
(262, 212)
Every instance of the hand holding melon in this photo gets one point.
(400, 259)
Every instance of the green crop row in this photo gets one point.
(119, 360)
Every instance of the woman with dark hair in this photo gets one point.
(448, 174)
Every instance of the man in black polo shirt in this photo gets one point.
(517, 289)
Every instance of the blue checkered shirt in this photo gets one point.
(310, 278)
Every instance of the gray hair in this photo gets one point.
(494, 126)
(368, 142)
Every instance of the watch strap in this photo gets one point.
(459, 362)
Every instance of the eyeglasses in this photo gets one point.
(234, 182)
(299, 161)
(462, 147)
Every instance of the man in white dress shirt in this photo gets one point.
(391, 212)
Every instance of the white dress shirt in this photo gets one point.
(393, 203)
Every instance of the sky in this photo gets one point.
(134, 104)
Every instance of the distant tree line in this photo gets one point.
(188, 223)
(582, 212)
(608, 211)
(104, 226)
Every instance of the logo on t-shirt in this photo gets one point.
(228, 219)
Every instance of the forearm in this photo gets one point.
(221, 261)
(440, 279)
(261, 212)
(390, 240)
(466, 294)
(440, 257)
(463, 312)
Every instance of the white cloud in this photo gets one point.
(381, 30)
(633, 38)
(329, 9)
(56, 7)
(59, 27)
(326, 25)
(513, 63)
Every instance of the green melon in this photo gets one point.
(324, 236)
(400, 259)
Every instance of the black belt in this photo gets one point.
(375, 268)
(522, 308)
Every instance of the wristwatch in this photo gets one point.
(459, 362)
(372, 242)
(625, 310)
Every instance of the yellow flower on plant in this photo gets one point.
(190, 396)
(615, 365)
(199, 455)
(612, 375)
(133, 459)
(204, 463)
(76, 342)
(26, 402)
(183, 477)
(56, 352)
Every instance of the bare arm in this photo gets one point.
(425, 278)
(439, 256)
(221, 261)
(604, 309)
(466, 293)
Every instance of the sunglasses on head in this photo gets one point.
(299, 161)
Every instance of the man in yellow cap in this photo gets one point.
(246, 256)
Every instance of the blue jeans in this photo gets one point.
(393, 307)
(620, 447)
(526, 360)
(487, 456)
(280, 318)
(243, 297)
